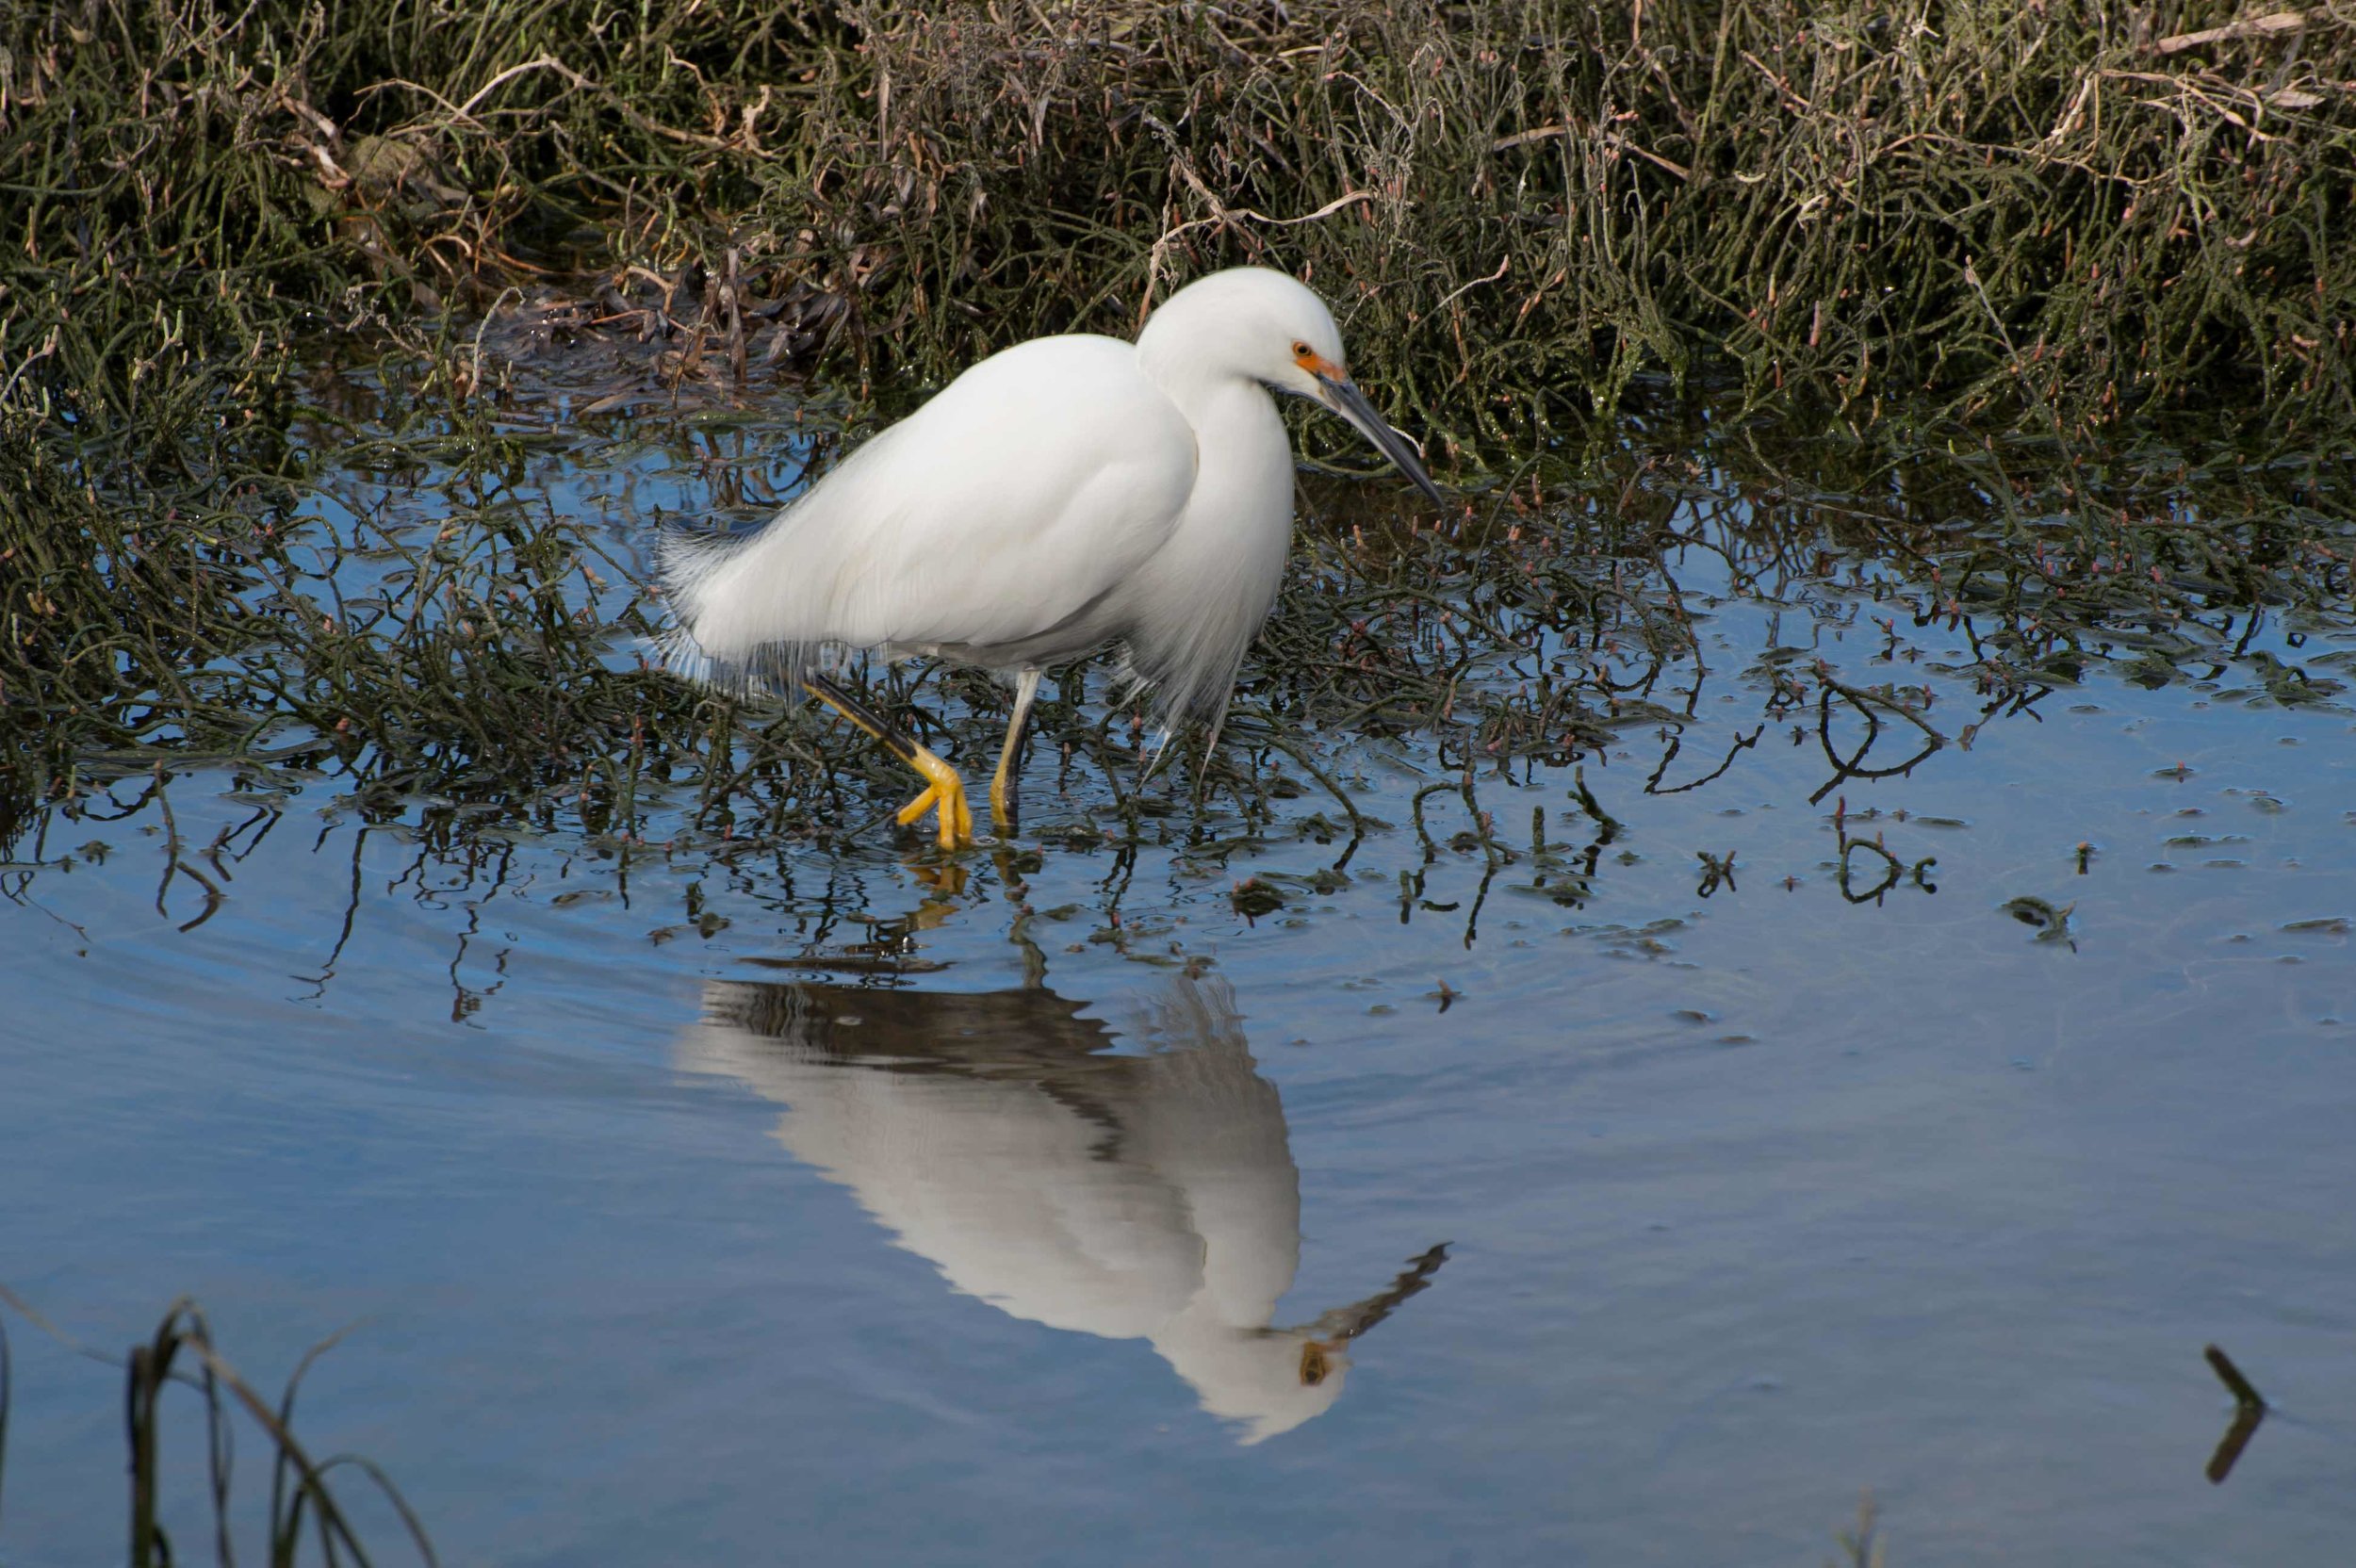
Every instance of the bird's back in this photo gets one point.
(1006, 507)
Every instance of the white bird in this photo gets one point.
(1061, 495)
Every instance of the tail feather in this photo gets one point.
(696, 568)
(683, 561)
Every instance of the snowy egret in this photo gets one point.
(1061, 495)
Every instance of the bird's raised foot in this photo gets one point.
(946, 795)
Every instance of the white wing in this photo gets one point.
(1030, 485)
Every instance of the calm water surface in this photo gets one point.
(668, 1222)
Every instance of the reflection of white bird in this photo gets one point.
(1136, 1197)
(1066, 493)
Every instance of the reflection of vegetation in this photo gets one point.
(2051, 923)
(302, 1501)
(2249, 1413)
(429, 636)
(1863, 1547)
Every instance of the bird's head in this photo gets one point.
(1277, 331)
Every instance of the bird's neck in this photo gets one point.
(1195, 606)
(1174, 360)
(1238, 435)
(1241, 446)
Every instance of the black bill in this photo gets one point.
(1342, 396)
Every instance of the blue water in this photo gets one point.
(1108, 1235)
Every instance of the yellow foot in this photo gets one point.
(944, 794)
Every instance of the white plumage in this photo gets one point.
(1066, 493)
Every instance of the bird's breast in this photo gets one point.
(1193, 607)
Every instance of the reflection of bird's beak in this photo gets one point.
(1317, 1363)
(1340, 394)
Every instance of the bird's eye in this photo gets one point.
(1300, 351)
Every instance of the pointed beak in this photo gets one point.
(1340, 394)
